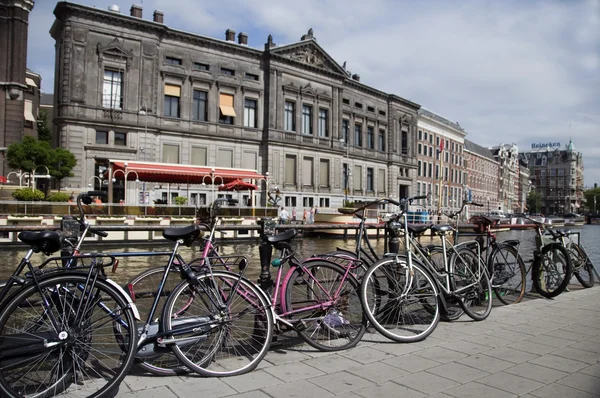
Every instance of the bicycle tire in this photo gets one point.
(508, 273)
(89, 359)
(470, 275)
(207, 303)
(326, 327)
(153, 358)
(394, 314)
(453, 309)
(552, 270)
(582, 265)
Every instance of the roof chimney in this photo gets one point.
(243, 38)
(230, 35)
(114, 8)
(136, 11)
(356, 77)
(159, 16)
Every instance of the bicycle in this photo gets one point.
(583, 268)
(63, 331)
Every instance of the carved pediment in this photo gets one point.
(309, 53)
(306, 91)
(114, 48)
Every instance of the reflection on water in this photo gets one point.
(129, 267)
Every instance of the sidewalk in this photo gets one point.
(539, 348)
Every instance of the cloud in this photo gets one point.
(523, 71)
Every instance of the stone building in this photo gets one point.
(483, 176)
(17, 85)
(135, 93)
(557, 175)
(509, 197)
(440, 161)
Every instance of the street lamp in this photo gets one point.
(268, 181)
(125, 174)
(213, 177)
(346, 169)
(20, 174)
(92, 184)
(33, 176)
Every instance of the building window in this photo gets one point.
(419, 168)
(173, 61)
(346, 131)
(198, 156)
(170, 153)
(121, 139)
(382, 113)
(307, 119)
(358, 105)
(425, 136)
(112, 90)
(290, 116)
(307, 171)
(370, 109)
(324, 173)
(419, 147)
(358, 178)
(172, 96)
(370, 138)
(226, 111)
(404, 142)
(382, 140)
(199, 106)
(346, 101)
(430, 151)
(250, 112)
(323, 119)
(227, 72)
(370, 182)
(358, 134)
(201, 66)
(250, 76)
(225, 157)
(102, 137)
(420, 134)
(290, 170)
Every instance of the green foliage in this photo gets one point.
(28, 195)
(43, 128)
(58, 197)
(62, 164)
(589, 197)
(348, 203)
(180, 200)
(28, 154)
(534, 202)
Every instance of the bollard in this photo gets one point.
(266, 251)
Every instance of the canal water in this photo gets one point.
(305, 247)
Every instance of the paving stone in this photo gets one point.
(253, 394)
(533, 348)
(559, 391)
(567, 334)
(458, 372)
(593, 370)
(156, 392)
(578, 328)
(535, 372)
(510, 354)
(378, 372)
(511, 383)
(528, 329)
(588, 345)
(411, 363)
(294, 371)
(430, 341)
(490, 341)
(477, 390)
(582, 382)
(279, 357)
(559, 363)
(485, 363)
(397, 349)
(467, 347)
(135, 383)
(426, 382)
(331, 363)
(254, 380)
(509, 334)
(440, 354)
(365, 355)
(210, 386)
(389, 389)
(298, 388)
(551, 341)
(341, 382)
(544, 325)
(578, 355)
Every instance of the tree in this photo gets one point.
(44, 130)
(28, 154)
(62, 164)
(592, 197)
(534, 202)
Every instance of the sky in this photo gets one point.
(509, 71)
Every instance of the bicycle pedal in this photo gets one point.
(300, 326)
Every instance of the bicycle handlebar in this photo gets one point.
(86, 198)
(465, 203)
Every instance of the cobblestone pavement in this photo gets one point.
(539, 348)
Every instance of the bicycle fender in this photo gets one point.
(132, 305)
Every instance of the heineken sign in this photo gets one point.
(541, 145)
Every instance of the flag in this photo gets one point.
(441, 145)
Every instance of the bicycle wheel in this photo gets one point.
(552, 270)
(326, 305)
(509, 278)
(223, 326)
(153, 357)
(582, 265)
(409, 309)
(435, 256)
(471, 283)
(67, 335)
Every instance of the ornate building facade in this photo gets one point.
(135, 90)
(510, 177)
(483, 176)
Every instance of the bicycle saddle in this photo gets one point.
(281, 237)
(440, 229)
(557, 233)
(188, 234)
(418, 229)
(46, 242)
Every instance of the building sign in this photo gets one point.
(541, 145)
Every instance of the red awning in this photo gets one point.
(179, 174)
(3, 179)
(238, 185)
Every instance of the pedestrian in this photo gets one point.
(283, 216)
(305, 216)
(312, 215)
(294, 214)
